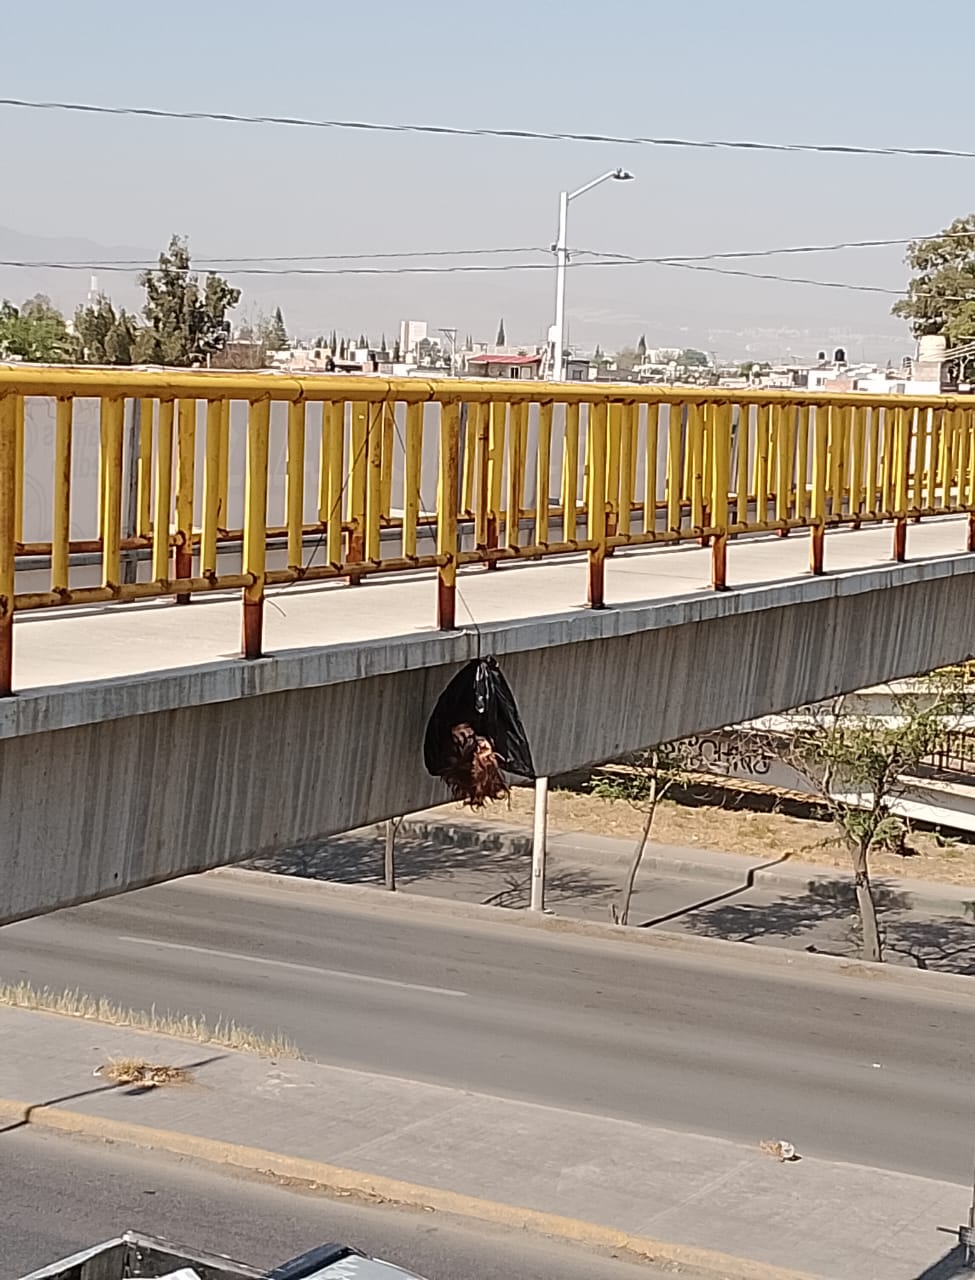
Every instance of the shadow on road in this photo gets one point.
(746, 884)
(357, 858)
(947, 1268)
(945, 943)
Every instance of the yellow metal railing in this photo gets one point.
(343, 477)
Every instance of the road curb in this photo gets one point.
(709, 950)
(334, 1180)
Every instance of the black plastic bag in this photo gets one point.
(475, 734)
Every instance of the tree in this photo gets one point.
(102, 335)
(627, 359)
(277, 333)
(501, 339)
(941, 296)
(691, 358)
(641, 348)
(397, 352)
(188, 322)
(856, 764)
(36, 330)
(643, 781)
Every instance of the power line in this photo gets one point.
(328, 257)
(793, 249)
(475, 268)
(227, 117)
(229, 263)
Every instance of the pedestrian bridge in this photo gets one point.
(228, 603)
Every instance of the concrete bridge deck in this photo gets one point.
(153, 655)
(141, 748)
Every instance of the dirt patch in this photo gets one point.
(728, 829)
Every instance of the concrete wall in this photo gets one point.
(161, 777)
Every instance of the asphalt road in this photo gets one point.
(90, 1192)
(842, 1067)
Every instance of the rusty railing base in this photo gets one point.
(252, 629)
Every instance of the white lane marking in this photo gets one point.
(287, 964)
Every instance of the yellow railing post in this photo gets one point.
(295, 482)
(614, 442)
(374, 482)
(113, 421)
(570, 473)
(144, 470)
(211, 489)
(517, 440)
(802, 464)
(481, 483)
(333, 445)
(543, 467)
(61, 525)
(856, 467)
(596, 532)
(675, 437)
(901, 462)
(820, 474)
(627, 483)
(784, 429)
(744, 440)
(185, 481)
(496, 432)
(8, 537)
(19, 411)
(255, 527)
(447, 515)
(650, 470)
(358, 463)
(412, 469)
(164, 492)
(389, 431)
(720, 481)
(762, 425)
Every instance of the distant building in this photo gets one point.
(504, 366)
(411, 334)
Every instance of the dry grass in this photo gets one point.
(139, 1072)
(75, 1004)
(744, 831)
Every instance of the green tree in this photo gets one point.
(641, 348)
(36, 331)
(277, 334)
(691, 358)
(187, 320)
(501, 339)
(643, 781)
(857, 765)
(941, 295)
(627, 359)
(102, 335)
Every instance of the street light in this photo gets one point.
(562, 258)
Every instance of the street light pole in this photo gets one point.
(562, 259)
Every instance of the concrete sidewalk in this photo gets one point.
(841, 1222)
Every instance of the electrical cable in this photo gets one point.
(457, 131)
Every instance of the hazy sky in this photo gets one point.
(870, 72)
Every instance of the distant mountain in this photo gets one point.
(66, 288)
